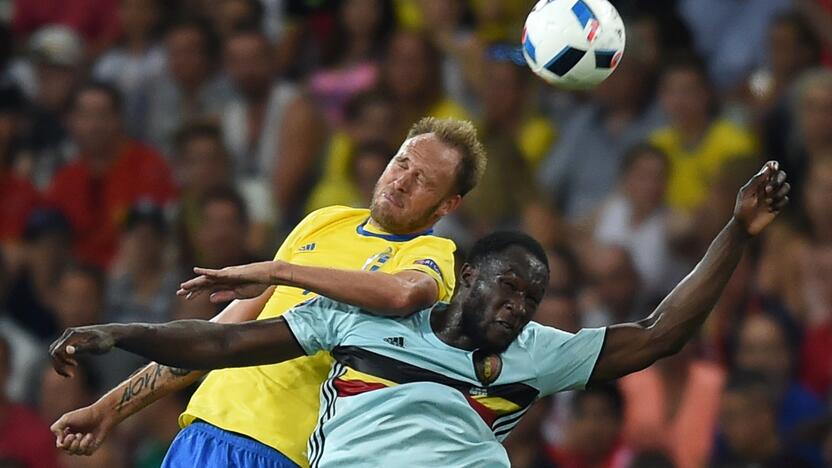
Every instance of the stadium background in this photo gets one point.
(139, 138)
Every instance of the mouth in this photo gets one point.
(392, 200)
(508, 326)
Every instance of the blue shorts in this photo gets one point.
(204, 445)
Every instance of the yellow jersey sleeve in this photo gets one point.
(433, 256)
(312, 222)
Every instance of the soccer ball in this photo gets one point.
(573, 44)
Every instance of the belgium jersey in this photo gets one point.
(397, 395)
(278, 404)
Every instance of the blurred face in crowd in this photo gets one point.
(361, 17)
(822, 270)
(95, 123)
(615, 279)
(248, 61)
(499, 296)
(788, 53)
(442, 15)
(203, 165)
(187, 56)
(79, 300)
(410, 71)
(54, 84)
(10, 123)
(139, 17)
(376, 121)
(624, 88)
(231, 14)
(418, 186)
(818, 195)
(595, 427)
(762, 348)
(645, 182)
(503, 91)
(815, 116)
(222, 234)
(747, 422)
(143, 246)
(684, 95)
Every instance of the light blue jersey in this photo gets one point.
(399, 396)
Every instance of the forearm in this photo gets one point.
(144, 387)
(197, 344)
(684, 310)
(375, 291)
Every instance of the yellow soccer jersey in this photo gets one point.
(278, 404)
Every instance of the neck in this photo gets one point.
(692, 130)
(257, 97)
(446, 323)
(100, 159)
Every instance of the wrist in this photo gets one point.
(119, 332)
(280, 273)
(738, 228)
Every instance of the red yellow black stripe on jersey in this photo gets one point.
(500, 406)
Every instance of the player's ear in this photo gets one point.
(467, 274)
(449, 205)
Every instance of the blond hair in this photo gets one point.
(460, 135)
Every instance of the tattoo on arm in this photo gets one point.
(144, 381)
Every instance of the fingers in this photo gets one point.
(208, 272)
(222, 296)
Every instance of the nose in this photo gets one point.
(403, 182)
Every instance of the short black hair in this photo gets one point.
(499, 241)
(606, 390)
(196, 129)
(46, 221)
(227, 195)
(113, 93)
(753, 384)
(639, 150)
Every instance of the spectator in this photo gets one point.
(79, 296)
(367, 164)
(350, 65)
(203, 165)
(411, 75)
(229, 16)
(816, 352)
(583, 165)
(785, 272)
(636, 218)
(748, 423)
(19, 196)
(697, 142)
(272, 133)
(144, 287)
(616, 294)
(95, 20)
(57, 65)
(136, 61)
(46, 251)
(764, 347)
(811, 137)
(25, 440)
(594, 433)
(189, 87)
(673, 406)
(111, 173)
(728, 34)
(369, 118)
(220, 241)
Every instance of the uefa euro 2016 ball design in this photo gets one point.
(573, 44)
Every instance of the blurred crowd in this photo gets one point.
(140, 138)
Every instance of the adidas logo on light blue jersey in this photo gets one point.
(397, 341)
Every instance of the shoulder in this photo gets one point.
(334, 213)
(727, 132)
(431, 242)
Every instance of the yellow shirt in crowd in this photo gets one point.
(693, 170)
(278, 404)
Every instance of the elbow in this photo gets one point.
(408, 299)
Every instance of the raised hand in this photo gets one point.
(82, 431)
(762, 198)
(96, 339)
(229, 283)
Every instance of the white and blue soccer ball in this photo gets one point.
(573, 44)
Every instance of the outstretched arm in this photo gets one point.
(189, 344)
(82, 431)
(397, 294)
(634, 346)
